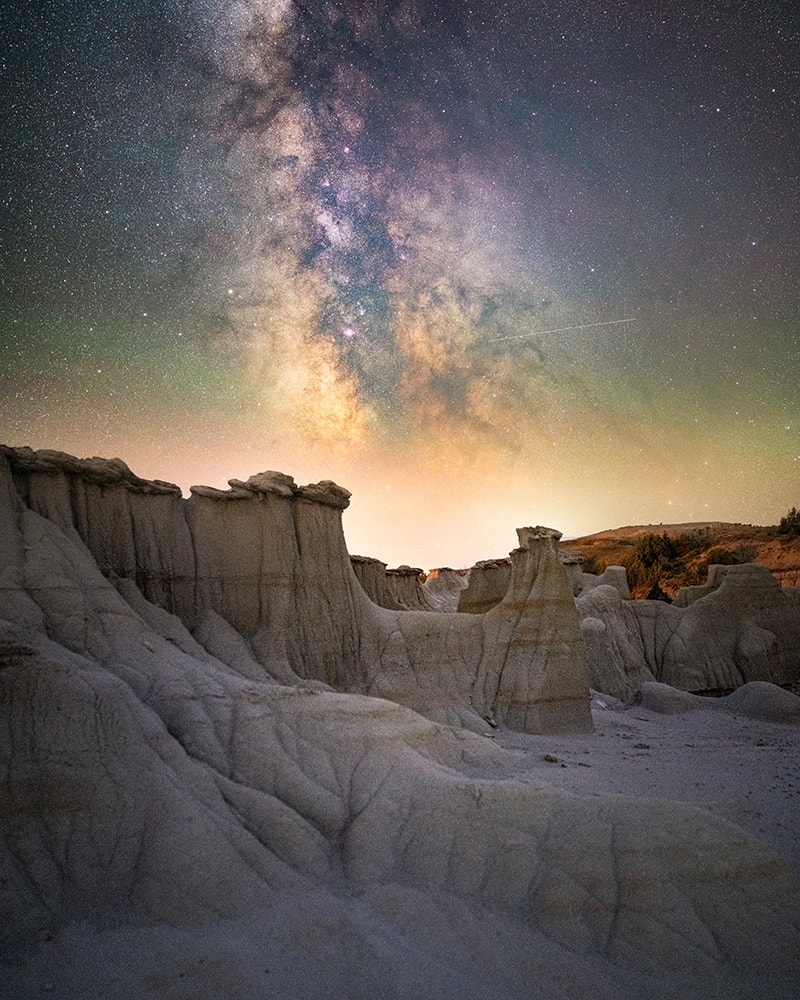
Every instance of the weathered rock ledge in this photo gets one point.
(267, 558)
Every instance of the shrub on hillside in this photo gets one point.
(689, 543)
(657, 594)
(652, 557)
(591, 564)
(790, 523)
(720, 557)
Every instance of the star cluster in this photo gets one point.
(485, 264)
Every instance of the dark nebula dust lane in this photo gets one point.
(484, 264)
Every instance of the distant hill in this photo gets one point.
(693, 547)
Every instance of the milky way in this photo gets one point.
(484, 264)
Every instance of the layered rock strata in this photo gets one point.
(267, 560)
(489, 579)
(488, 582)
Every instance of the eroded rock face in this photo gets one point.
(740, 626)
(267, 560)
(443, 587)
(408, 588)
(371, 575)
(543, 675)
(405, 585)
(143, 790)
(489, 580)
(615, 651)
(612, 576)
(742, 584)
(573, 561)
(154, 778)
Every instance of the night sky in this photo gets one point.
(484, 264)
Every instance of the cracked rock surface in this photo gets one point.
(191, 808)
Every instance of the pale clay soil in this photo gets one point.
(743, 769)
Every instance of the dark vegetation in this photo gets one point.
(657, 560)
(660, 560)
(790, 523)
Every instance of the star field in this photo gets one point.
(483, 264)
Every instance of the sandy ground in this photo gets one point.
(743, 769)
(740, 768)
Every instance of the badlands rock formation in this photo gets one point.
(189, 807)
(488, 582)
(406, 588)
(740, 626)
(489, 579)
(612, 576)
(264, 564)
(755, 699)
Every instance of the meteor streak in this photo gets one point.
(560, 329)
